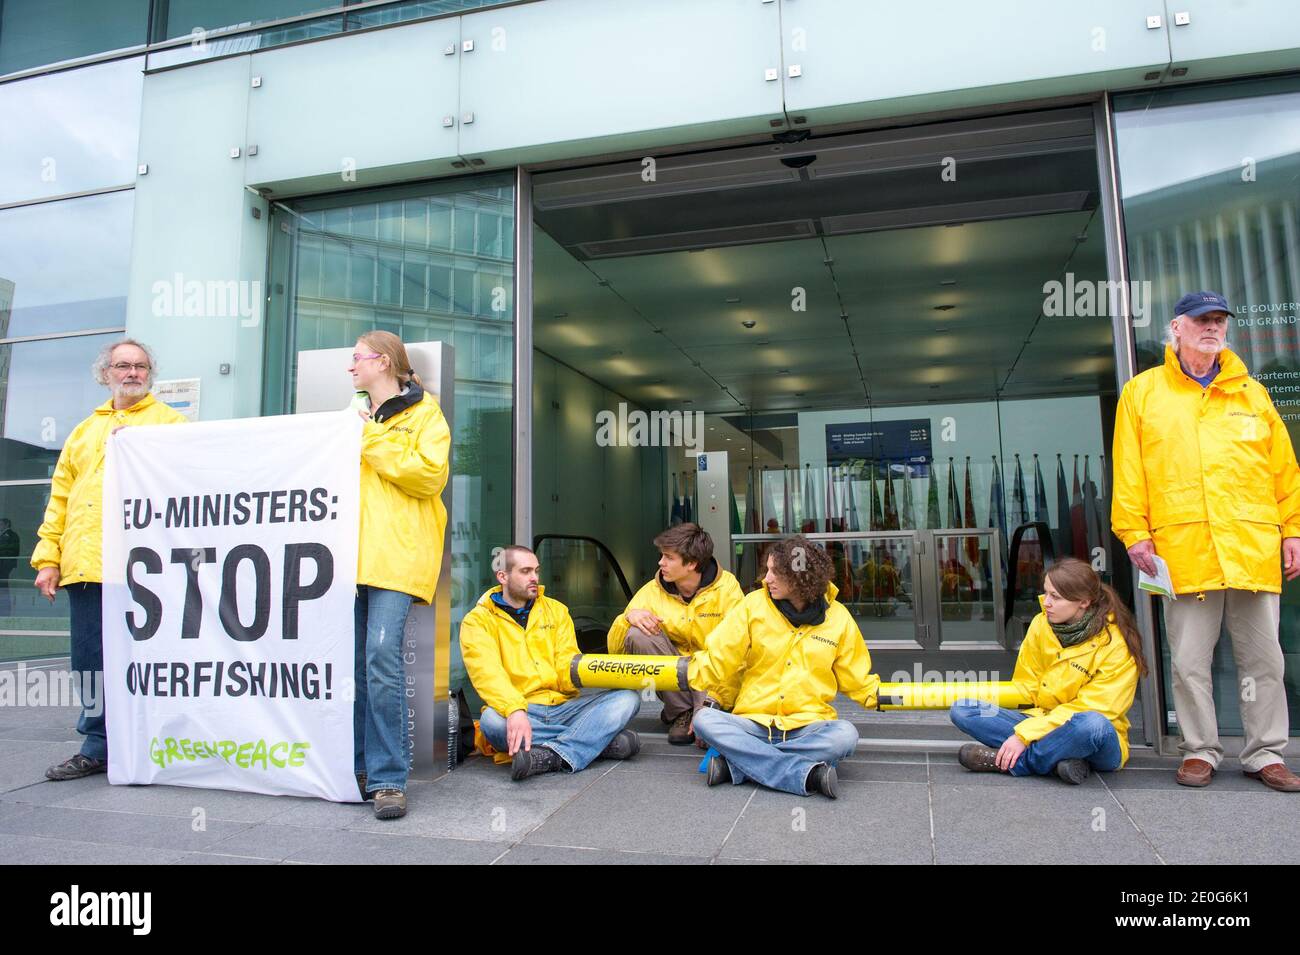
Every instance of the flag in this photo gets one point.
(998, 512)
(691, 507)
(1040, 500)
(932, 499)
(891, 503)
(747, 554)
(1019, 506)
(1089, 508)
(1078, 524)
(968, 520)
(787, 515)
(1064, 543)
(809, 516)
(678, 514)
(907, 520)
(1103, 506)
(832, 493)
(954, 499)
(769, 523)
(876, 519)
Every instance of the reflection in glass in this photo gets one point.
(64, 265)
(1209, 176)
(391, 259)
(70, 132)
(30, 626)
(36, 32)
(47, 391)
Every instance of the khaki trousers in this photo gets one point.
(675, 702)
(1193, 628)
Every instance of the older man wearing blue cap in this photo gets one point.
(1205, 477)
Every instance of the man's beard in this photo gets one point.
(519, 596)
(126, 390)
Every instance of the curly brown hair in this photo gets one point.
(803, 566)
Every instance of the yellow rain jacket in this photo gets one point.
(404, 467)
(686, 624)
(71, 537)
(1209, 475)
(762, 667)
(1098, 674)
(511, 667)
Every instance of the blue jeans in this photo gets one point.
(88, 666)
(785, 761)
(577, 729)
(379, 710)
(1085, 735)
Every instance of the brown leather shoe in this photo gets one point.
(679, 733)
(1277, 776)
(1194, 772)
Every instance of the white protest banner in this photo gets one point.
(230, 552)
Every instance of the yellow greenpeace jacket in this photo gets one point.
(761, 667)
(71, 537)
(1209, 475)
(686, 624)
(511, 667)
(1098, 674)
(404, 467)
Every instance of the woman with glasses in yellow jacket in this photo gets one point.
(405, 449)
(1079, 665)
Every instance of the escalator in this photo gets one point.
(585, 575)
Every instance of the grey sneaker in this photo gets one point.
(719, 771)
(623, 746)
(978, 758)
(823, 779)
(1073, 771)
(535, 762)
(76, 767)
(390, 804)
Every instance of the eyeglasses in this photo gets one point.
(125, 366)
(356, 358)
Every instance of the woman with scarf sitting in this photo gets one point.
(1079, 667)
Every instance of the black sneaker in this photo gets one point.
(76, 767)
(535, 762)
(1073, 771)
(623, 746)
(978, 758)
(719, 771)
(823, 779)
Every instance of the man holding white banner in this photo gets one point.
(68, 554)
(229, 584)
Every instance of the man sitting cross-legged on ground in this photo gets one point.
(674, 612)
(777, 661)
(517, 644)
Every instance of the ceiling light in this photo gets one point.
(948, 282)
(734, 300)
(944, 308)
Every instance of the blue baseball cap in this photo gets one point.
(1199, 303)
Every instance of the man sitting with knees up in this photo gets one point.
(776, 661)
(674, 612)
(518, 644)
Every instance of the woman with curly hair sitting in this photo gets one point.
(776, 661)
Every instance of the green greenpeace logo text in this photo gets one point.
(246, 755)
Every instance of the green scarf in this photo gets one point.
(1071, 633)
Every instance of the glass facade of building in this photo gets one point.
(1209, 181)
(426, 262)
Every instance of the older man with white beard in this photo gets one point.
(1206, 478)
(69, 553)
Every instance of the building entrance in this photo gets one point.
(897, 342)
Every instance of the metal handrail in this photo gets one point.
(613, 561)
